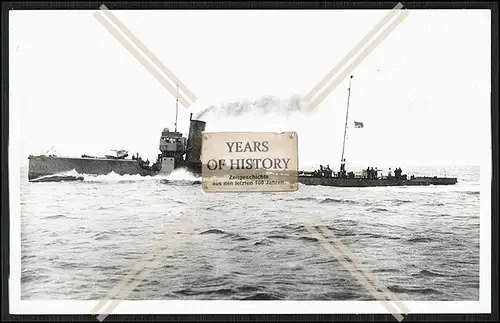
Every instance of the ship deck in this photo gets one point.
(365, 182)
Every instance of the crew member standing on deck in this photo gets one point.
(328, 171)
(342, 170)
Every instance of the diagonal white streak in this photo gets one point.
(142, 269)
(350, 67)
(147, 52)
(353, 51)
(359, 276)
(144, 62)
(358, 264)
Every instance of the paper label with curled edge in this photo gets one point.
(249, 162)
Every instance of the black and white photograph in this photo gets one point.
(114, 116)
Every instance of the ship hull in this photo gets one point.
(46, 165)
(363, 182)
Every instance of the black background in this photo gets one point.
(221, 5)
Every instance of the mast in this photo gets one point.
(342, 161)
(176, 107)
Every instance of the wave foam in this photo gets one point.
(182, 174)
(176, 175)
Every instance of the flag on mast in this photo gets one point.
(358, 124)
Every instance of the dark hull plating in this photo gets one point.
(49, 165)
(363, 182)
(45, 165)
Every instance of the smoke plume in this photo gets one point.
(264, 106)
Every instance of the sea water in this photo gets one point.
(79, 239)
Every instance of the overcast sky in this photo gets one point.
(423, 94)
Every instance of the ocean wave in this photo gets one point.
(385, 270)
(379, 236)
(277, 236)
(213, 231)
(294, 228)
(439, 204)
(330, 200)
(378, 209)
(413, 290)
(57, 216)
(471, 192)
(304, 199)
(228, 235)
(419, 239)
(325, 200)
(264, 242)
(223, 291)
(341, 230)
(264, 297)
(429, 273)
(400, 201)
(101, 236)
(249, 288)
(235, 237)
(308, 239)
(107, 268)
